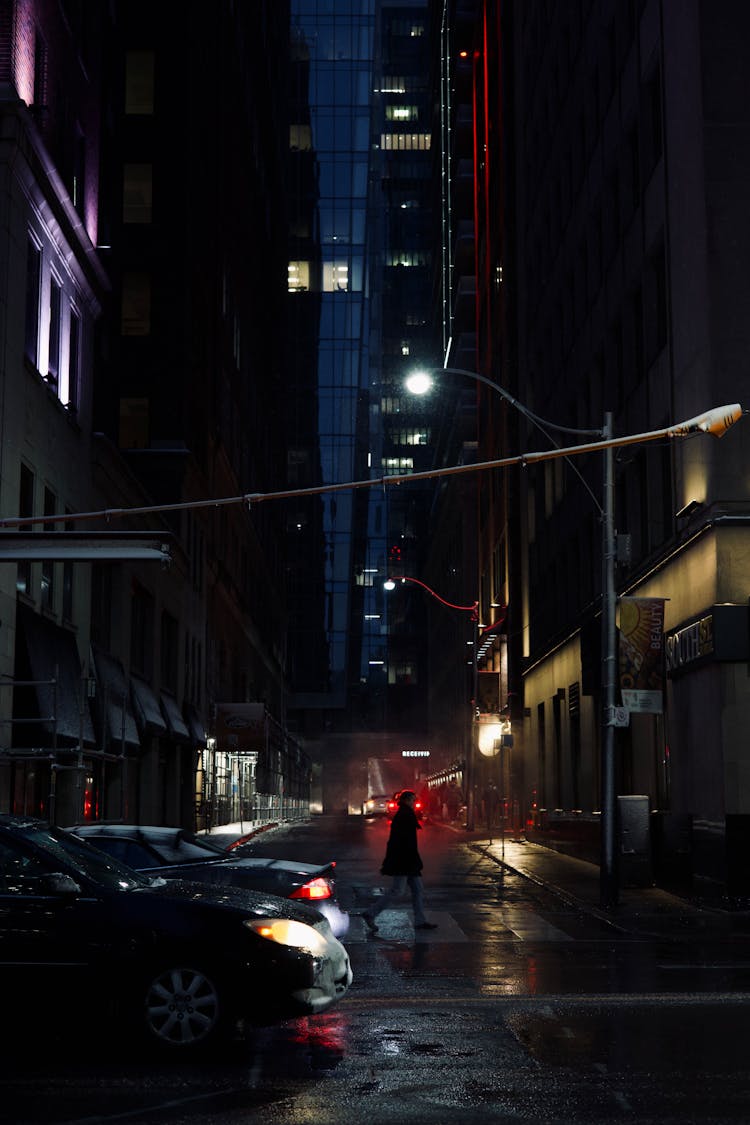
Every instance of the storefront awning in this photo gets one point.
(195, 726)
(113, 701)
(56, 685)
(148, 714)
(176, 727)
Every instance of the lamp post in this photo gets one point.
(473, 609)
(715, 422)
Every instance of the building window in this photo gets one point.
(25, 508)
(33, 285)
(401, 113)
(404, 142)
(74, 362)
(170, 632)
(410, 437)
(139, 82)
(136, 304)
(53, 344)
(133, 430)
(137, 193)
(407, 258)
(67, 579)
(335, 277)
(142, 632)
(298, 277)
(300, 138)
(394, 466)
(40, 72)
(47, 592)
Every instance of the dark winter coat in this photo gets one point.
(401, 854)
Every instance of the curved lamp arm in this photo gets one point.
(473, 609)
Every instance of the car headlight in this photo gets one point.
(286, 931)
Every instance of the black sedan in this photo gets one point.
(175, 853)
(178, 962)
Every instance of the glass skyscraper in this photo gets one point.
(360, 286)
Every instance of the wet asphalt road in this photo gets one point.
(520, 1007)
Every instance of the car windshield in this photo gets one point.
(186, 848)
(74, 853)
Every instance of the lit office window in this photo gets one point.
(300, 138)
(401, 113)
(404, 142)
(335, 277)
(298, 277)
(410, 437)
(407, 258)
(394, 466)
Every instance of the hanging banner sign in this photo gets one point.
(642, 654)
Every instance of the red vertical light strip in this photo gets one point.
(486, 296)
(475, 123)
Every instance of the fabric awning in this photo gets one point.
(148, 714)
(114, 706)
(195, 726)
(178, 731)
(51, 654)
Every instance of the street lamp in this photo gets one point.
(716, 422)
(473, 609)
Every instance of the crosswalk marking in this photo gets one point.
(397, 925)
(530, 927)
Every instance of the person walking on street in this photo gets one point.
(404, 863)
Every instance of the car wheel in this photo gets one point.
(183, 1008)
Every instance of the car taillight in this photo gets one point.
(313, 891)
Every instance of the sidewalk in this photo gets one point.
(642, 910)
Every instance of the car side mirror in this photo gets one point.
(58, 883)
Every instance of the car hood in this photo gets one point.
(230, 898)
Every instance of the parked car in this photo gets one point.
(179, 962)
(177, 854)
(377, 805)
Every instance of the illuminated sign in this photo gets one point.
(415, 753)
